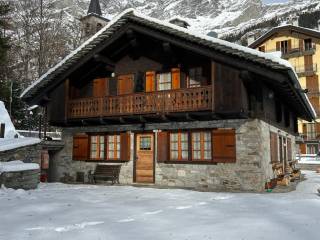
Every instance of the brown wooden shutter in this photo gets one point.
(315, 103)
(224, 146)
(274, 147)
(304, 129)
(125, 146)
(163, 147)
(80, 147)
(303, 148)
(308, 62)
(150, 81)
(125, 84)
(278, 46)
(99, 87)
(312, 83)
(289, 150)
(317, 130)
(175, 78)
(301, 44)
(289, 45)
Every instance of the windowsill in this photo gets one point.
(191, 162)
(103, 161)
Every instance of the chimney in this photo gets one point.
(251, 39)
(179, 22)
(295, 21)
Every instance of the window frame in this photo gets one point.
(179, 149)
(98, 149)
(202, 142)
(197, 77)
(116, 149)
(284, 46)
(307, 42)
(158, 80)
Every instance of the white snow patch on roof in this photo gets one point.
(17, 166)
(13, 143)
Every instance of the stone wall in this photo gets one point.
(250, 172)
(30, 154)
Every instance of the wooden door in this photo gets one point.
(100, 87)
(144, 158)
(125, 84)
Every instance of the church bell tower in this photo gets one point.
(93, 21)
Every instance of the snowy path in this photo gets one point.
(58, 211)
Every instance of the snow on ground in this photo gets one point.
(59, 211)
(15, 166)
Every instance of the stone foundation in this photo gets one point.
(250, 172)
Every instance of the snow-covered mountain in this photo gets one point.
(221, 16)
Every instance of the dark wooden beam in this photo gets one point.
(104, 59)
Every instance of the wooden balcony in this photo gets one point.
(170, 101)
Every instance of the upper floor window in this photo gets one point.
(195, 76)
(284, 46)
(262, 49)
(307, 44)
(164, 81)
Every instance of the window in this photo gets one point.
(311, 131)
(179, 143)
(145, 143)
(282, 149)
(164, 81)
(113, 147)
(307, 44)
(97, 147)
(284, 46)
(201, 146)
(195, 76)
(262, 48)
(312, 148)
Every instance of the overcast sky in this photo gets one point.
(274, 1)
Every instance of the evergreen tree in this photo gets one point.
(4, 46)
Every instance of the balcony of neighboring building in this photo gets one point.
(306, 70)
(291, 49)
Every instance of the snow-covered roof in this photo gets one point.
(215, 44)
(306, 31)
(10, 131)
(13, 143)
(17, 166)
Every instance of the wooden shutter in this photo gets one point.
(278, 46)
(163, 146)
(289, 150)
(304, 129)
(312, 83)
(289, 45)
(308, 62)
(315, 103)
(317, 130)
(125, 146)
(303, 148)
(224, 145)
(274, 147)
(80, 147)
(99, 87)
(175, 72)
(150, 81)
(301, 44)
(125, 84)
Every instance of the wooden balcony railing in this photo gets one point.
(180, 100)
